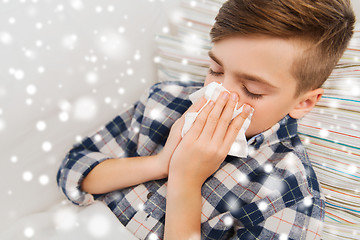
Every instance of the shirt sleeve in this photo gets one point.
(117, 139)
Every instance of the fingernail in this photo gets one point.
(211, 103)
(248, 109)
(234, 96)
(225, 95)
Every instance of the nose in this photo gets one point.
(235, 96)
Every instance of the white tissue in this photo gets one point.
(211, 92)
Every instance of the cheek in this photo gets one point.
(209, 79)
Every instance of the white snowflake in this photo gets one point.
(85, 108)
(39, 25)
(2, 124)
(283, 236)
(121, 91)
(352, 169)
(228, 221)
(262, 206)
(31, 89)
(14, 159)
(46, 146)
(77, 4)
(113, 45)
(98, 226)
(41, 69)
(308, 201)
(268, 168)
(43, 179)
(64, 116)
(324, 133)
(40, 126)
(29, 232)
(6, 38)
(92, 77)
(65, 219)
(27, 176)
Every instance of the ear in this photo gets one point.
(306, 102)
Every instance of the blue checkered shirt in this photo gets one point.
(271, 194)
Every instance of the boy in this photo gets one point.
(273, 56)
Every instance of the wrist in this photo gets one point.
(186, 181)
(161, 167)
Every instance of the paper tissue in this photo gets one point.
(211, 92)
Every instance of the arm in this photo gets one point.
(118, 173)
(112, 141)
(183, 209)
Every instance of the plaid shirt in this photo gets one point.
(271, 194)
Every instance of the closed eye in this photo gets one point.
(251, 95)
(212, 72)
(246, 91)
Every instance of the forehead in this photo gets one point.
(267, 58)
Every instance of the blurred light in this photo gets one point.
(14, 159)
(19, 74)
(283, 236)
(43, 179)
(64, 105)
(65, 219)
(121, 91)
(63, 116)
(31, 89)
(98, 226)
(46, 146)
(85, 109)
(130, 71)
(69, 41)
(308, 201)
(39, 25)
(323, 133)
(77, 4)
(27, 176)
(91, 77)
(153, 236)
(352, 169)
(2, 124)
(113, 45)
(268, 168)
(41, 125)
(29, 232)
(41, 69)
(262, 206)
(6, 38)
(228, 221)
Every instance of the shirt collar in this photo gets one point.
(285, 129)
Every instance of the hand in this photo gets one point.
(174, 138)
(205, 146)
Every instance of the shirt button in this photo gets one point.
(149, 195)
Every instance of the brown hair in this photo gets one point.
(324, 26)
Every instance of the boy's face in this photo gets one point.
(258, 69)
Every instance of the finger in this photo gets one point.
(196, 106)
(235, 126)
(214, 115)
(225, 119)
(200, 121)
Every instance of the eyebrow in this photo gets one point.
(238, 75)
